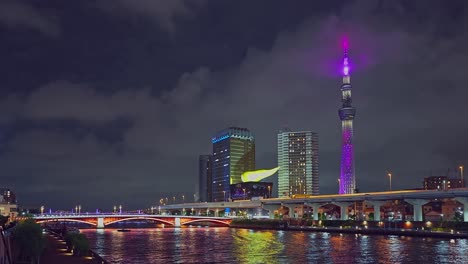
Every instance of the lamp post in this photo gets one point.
(120, 209)
(390, 179)
(269, 191)
(159, 208)
(183, 198)
(152, 209)
(173, 199)
(461, 176)
(76, 209)
(115, 209)
(42, 210)
(79, 209)
(244, 193)
(224, 194)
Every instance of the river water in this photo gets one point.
(230, 245)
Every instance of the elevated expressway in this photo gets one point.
(417, 198)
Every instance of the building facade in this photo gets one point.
(441, 183)
(298, 163)
(250, 190)
(7, 196)
(205, 183)
(346, 114)
(233, 154)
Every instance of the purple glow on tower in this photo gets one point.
(345, 63)
(347, 113)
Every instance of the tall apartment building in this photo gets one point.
(298, 162)
(233, 154)
(205, 184)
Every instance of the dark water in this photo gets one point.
(225, 245)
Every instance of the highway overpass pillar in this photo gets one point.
(177, 222)
(100, 222)
(315, 208)
(291, 208)
(417, 208)
(464, 201)
(343, 209)
(271, 209)
(376, 205)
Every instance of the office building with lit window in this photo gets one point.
(233, 154)
(441, 183)
(205, 187)
(298, 163)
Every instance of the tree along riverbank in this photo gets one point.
(421, 229)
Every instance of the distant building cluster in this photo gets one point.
(220, 173)
(442, 183)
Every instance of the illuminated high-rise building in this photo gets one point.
(205, 184)
(298, 163)
(233, 154)
(347, 113)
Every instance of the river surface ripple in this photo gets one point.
(230, 245)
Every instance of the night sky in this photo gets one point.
(110, 102)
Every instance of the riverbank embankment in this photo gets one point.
(354, 227)
(57, 252)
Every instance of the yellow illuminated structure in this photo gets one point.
(257, 175)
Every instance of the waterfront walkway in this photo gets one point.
(56, 253)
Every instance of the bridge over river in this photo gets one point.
(103, 220)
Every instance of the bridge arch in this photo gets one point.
(226, 223)
(55, 220)
(138, 218)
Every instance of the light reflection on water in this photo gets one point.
(225, 245)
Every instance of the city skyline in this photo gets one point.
(105, 105)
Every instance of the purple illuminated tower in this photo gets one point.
(347, 113)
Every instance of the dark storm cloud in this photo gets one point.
(408, 78)
(162, 11)
(20, 14)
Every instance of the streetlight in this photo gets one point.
(244, 193)
(79, 209)
(115, 209)
(224, 193)
(183, 198)
(152, 208)
(269, 191)
(76, 209)
(173, 198)
(461, 176)
(159, 208)
(390, 178)
(120, 209)
(42, 210)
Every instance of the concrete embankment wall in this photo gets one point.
(422, 229)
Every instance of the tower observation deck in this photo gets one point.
(347, 113)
